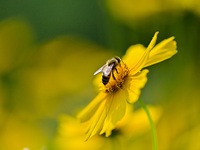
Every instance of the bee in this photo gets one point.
(108, 68)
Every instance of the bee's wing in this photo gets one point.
(107, 70)
(99, 70)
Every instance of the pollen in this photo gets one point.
(120, 74)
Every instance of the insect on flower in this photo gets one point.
(122, 81)
(108, 68)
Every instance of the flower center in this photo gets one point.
(117, 78)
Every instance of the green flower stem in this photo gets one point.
(151, 123)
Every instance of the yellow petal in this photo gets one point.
(98, 82)
(116, 107)
(153, 41)
(137, 56)
(97, 121)
(164, 50)
(133, 85)
(90, 109)
(133, 55)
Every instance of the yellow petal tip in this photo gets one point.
(153, 41)
(156, 32)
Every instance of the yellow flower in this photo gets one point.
(110, 104)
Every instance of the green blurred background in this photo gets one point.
(50, 49)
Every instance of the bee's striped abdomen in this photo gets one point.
(105, 79)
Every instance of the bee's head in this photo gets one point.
(116, 60)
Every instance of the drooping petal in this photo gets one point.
(116, 107)
(108, 113)
(162, 51)
(97, 121)
(137, 55)
(133, 85)
(90, 109)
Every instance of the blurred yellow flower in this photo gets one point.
(138, 120)
(128, 10)
(133, 11)
(70, 132)
(109, 106)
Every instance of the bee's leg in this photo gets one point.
(114, 76)
(116, 70)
